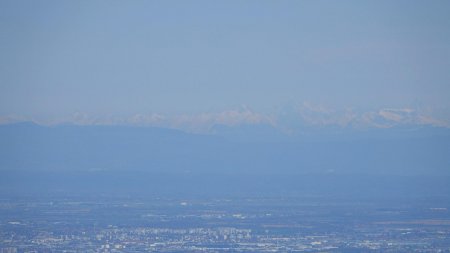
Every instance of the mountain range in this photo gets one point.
(237, 160)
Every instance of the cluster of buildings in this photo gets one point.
(215, 226)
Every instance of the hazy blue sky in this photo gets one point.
(127, 57)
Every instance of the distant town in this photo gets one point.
(221, 225)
